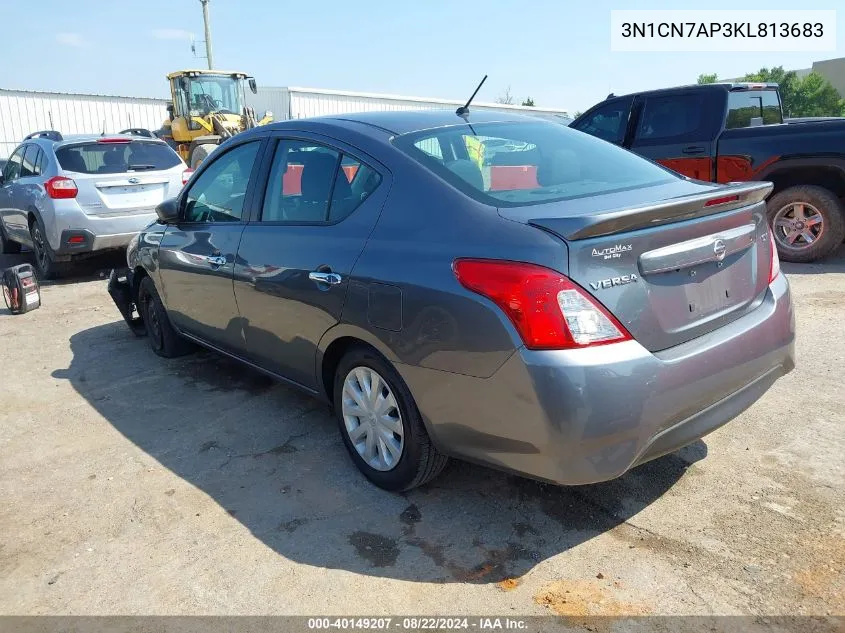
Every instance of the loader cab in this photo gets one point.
(201, 93)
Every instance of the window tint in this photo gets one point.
(12, 171)
(30, 158)
(671, 116)
(115, 158)
(608, 122)
(532, 163)
(218, 193)
(748, 104)
(40, 163)
(313, 183)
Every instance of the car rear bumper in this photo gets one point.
(588, 415)
(100, 233)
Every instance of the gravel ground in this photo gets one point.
(135, 485)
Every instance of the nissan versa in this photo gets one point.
(562, 308)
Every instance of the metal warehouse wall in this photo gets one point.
(299, 103)
(23, 112)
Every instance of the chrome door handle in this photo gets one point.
(216, 260)
(325, 278)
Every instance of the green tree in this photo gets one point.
(528, 102)
(707, 79)
(787, 81)
(815, 96)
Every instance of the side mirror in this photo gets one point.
(183, 83)
(253, 86)
(171, 111)
(168, 211)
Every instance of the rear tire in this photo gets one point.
(791, 212)
(7, 246)
(163, 338)
(45, 260)
(418, 461)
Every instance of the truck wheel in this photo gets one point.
(200, 153)
(808, 222)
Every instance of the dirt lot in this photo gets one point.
(135, 485)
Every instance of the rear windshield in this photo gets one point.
(519, 164)
(115, 158)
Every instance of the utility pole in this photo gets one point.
(207, 33)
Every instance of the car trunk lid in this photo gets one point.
(672, 269)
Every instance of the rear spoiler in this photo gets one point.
(732, 196)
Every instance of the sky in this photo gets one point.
(558, 53)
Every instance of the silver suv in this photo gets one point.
(69, 197)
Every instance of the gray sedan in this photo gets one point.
(563, 309)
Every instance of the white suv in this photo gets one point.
(69, 197)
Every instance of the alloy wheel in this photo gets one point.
(798, 226)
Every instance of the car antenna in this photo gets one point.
(464, 109)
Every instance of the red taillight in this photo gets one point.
(548, 310)
(186, 175)
(59, 187)
(774, 262)
(722, 200)
(76, 239)
(118, 139)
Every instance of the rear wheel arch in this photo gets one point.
(333, 348)
(828, 174)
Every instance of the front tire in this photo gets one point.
(808, 223)
(163, 338)
(380, 424)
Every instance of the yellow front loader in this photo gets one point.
(208, 107)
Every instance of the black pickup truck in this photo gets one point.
(730, 132)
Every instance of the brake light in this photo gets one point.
(548, 310)
(722, 200)
(60, 187)
(186, 175)
(774, 262)
(114, 140)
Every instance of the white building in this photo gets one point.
(24, 112)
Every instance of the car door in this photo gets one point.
(321, 201)
(678, 131)
(10, 211)
(197, 254)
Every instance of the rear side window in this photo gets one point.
(29, 167)
(520, 164)
(608, 122)
(311, 183)
(745, 105)
(671, 117)
(114, 158)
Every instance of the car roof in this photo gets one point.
(407, 121)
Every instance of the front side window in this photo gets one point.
(12, 170)
(744, 105)
(116, 157)
(533, 163)
(214, 94)
(608, 122)
(218, 193)
(311, 183)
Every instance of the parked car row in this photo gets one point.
(569, 327)
(67, 198)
